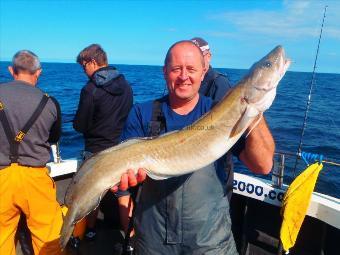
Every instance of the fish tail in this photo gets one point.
(66, 232)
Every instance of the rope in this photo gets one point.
(331, 163)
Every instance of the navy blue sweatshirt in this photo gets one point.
(105, 102)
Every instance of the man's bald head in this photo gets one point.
(180, 44)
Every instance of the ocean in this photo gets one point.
(285, 117)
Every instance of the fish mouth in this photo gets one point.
(284, 61)
(286, 65)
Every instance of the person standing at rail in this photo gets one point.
(29, 122)
(104, 104)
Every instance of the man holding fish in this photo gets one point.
(188, 214)
(182, 207)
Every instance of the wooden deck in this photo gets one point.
(256, 228)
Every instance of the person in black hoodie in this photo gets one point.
(214, 84)
(104, 104)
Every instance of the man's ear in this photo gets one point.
(11, 70)
(95, 64)
(204, 71)
(38, 72)
(209, 57)
(164, 72)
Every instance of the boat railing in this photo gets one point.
(280, 165)
(55, 149)
(323, 207)
(277, 172)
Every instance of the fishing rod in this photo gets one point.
(310, 94)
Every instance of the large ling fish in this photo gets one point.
(179, 152)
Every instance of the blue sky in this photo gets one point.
(140, 32)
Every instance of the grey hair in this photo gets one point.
(25, 61)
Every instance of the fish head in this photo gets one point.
(263, 79)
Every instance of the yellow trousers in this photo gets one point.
(32, 191)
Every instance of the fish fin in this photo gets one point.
(66, 230)
(124, 144)
(255, 125)
(65, 237)
(169, 133)
(155, 176)
(243, 123)
(131, 141)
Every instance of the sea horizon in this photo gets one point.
(154, 65)
(285, 117)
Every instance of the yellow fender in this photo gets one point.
(295, 204)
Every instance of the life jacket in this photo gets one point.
(210, 86)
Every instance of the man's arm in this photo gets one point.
(55, 131)
(81, 122)
(259, 149)
(125, 205)
(133, 128)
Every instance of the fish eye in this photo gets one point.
(267, 64)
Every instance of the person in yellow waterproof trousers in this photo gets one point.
(29, 122)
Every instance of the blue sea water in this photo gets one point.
(285, 117)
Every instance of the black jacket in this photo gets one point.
(214, 85)
(105, 102)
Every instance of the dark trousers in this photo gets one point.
(23, 235)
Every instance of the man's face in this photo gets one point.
(89, 67)
(184, 72)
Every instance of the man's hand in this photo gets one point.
(129, 179)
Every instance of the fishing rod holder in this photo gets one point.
(278, 171)
(55, 148)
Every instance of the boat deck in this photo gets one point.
(256, 229)
(108, 242)
(109, 238)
